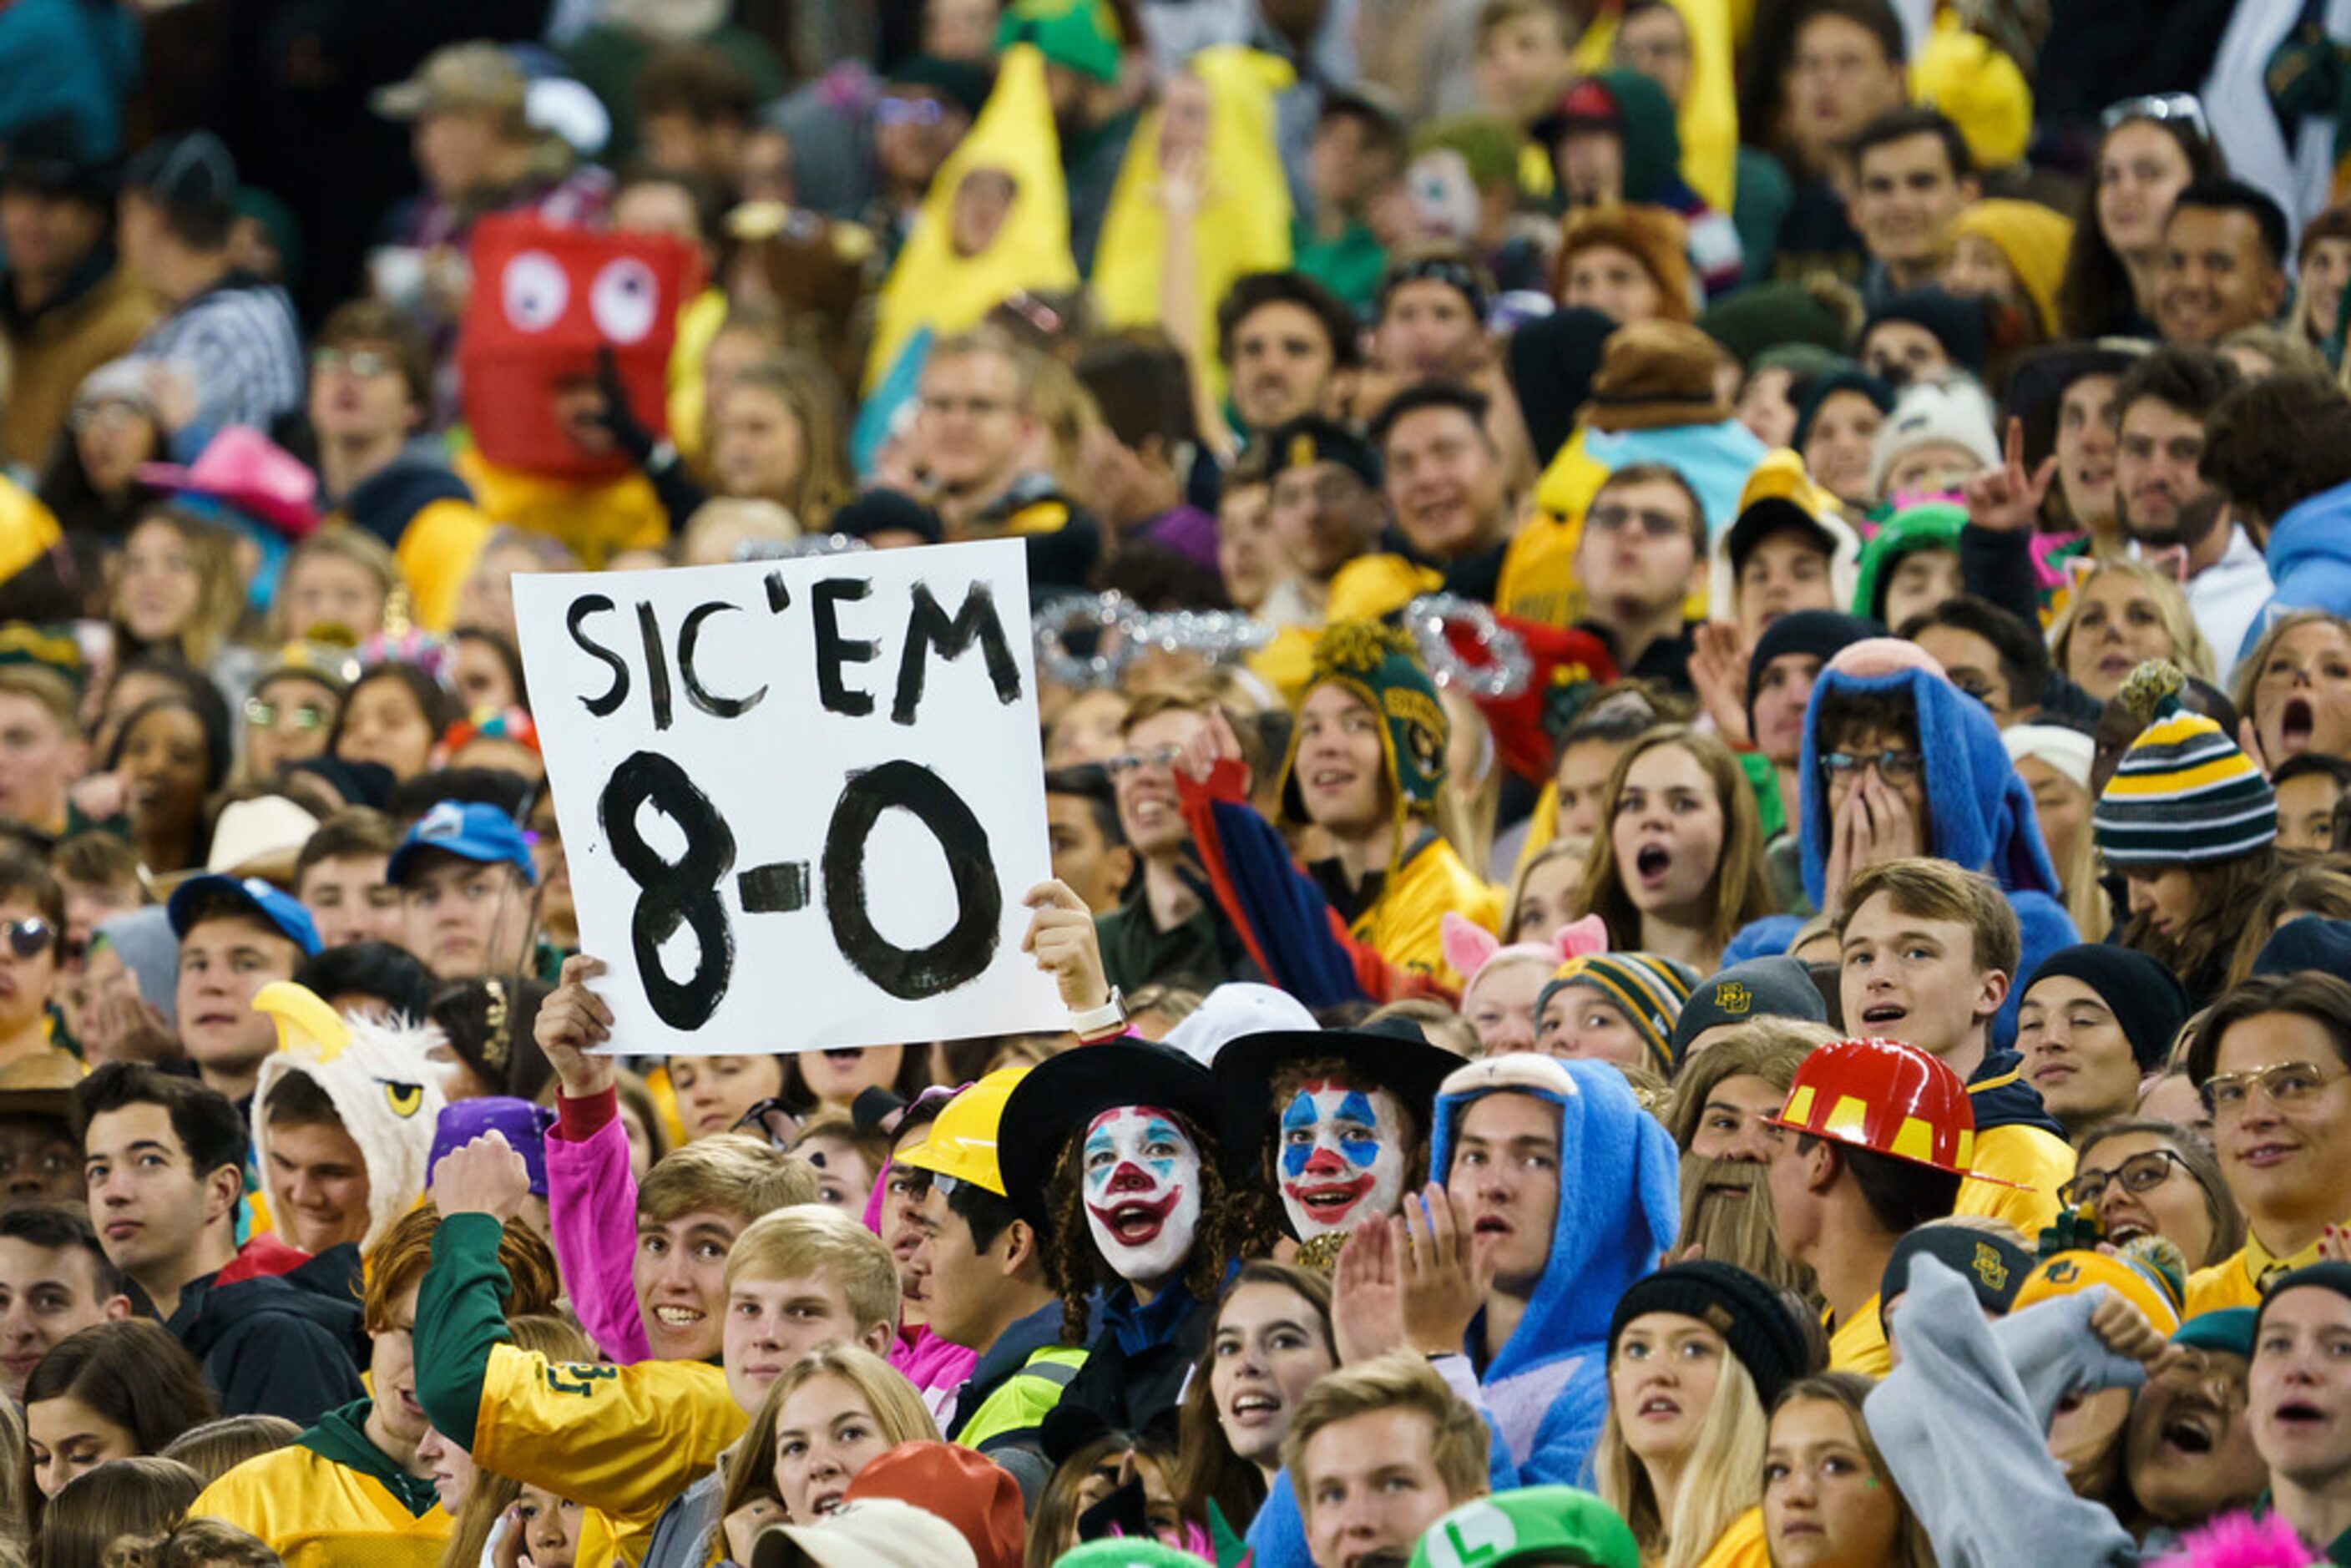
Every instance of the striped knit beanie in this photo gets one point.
(1647, 987)
(2183, 794)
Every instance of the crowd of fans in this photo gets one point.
(1695, 670)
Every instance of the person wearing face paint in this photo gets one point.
(984, 1269)
(1117, 1165)
(1365, 766)
(1335, 1123)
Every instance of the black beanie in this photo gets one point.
(1958, 322)
(1823, 633)
(2335, 1277)
(1747, 1313)
(2145, 999)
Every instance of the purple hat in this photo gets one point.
(524, 1124)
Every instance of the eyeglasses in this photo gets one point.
(2164, 108)
(27, 938)
(2140, 1173)
(1894, 767)
(908, 112)
(1158, 757)
(2290, 1086)
(263, 714)
(364, 363)
(1654, 524)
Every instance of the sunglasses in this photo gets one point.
(2165, 108)
(27, 938)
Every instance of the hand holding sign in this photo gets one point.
(800, 798)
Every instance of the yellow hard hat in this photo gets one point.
(961, 1142)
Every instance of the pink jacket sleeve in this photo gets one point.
(592, 1203)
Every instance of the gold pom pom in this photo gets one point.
(1358, 647)
(2146, 692)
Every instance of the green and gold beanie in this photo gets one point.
(1380, 664)
(2183, 794)
(1648, 988)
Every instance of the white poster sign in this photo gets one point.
(801, 800)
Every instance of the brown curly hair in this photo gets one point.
(1074, 1268)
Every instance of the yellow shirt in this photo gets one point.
(622, 1440)
(1858, 1344)
(1404, 923)
(2037, 1160)
(2238, 1280)
(1742, 1545)
(316, 1513)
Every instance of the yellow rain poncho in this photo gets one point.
(1243, 223)
(1707, 116)
(933, 286)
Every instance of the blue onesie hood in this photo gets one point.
(2309, 559)
(1979, 810)
(1619, 1206)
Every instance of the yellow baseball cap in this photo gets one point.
(961, 1142)
(2129, 1278)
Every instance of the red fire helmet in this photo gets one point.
(1887, 1097)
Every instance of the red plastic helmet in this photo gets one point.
(1887, 1097)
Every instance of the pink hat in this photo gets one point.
(243, 468)
(1884, 656)
(1473, 950)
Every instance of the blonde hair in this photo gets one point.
(897, 1410)
(559, 1341)
(1553, 850)
(805, 388)
(359, 548)
(1723, 1479)
(1738, 891)
(732, 1173)
(214, 1449)
(1396, 1380)
(220, 586)
(2189, 651)
(2248, 673)
(811, 1239)
(1439, 1024)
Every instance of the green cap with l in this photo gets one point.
(1550, 1524)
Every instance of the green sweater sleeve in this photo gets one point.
(459, 1319)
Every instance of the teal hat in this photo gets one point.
(1081, 35)
(1550, 1524)
(1381, 664)
(2223, 1328)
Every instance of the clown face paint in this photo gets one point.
(1143, 1191)
(1341, 1157)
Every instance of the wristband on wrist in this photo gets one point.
(1102, 1022)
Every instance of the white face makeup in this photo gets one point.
(1340, 1157)
(1142, 1175)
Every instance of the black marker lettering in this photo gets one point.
(709, 702)
(684, 892)
(833, 650)
(928, 627)
(656, 665)
(779, 597)
(966, 951)
(584, 606)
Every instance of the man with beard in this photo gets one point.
(1723, 1106)
(2170, 514)
(1282, 339)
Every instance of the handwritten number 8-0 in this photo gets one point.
(687, 891)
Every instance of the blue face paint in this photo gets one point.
(1355, 1111)
(1298, 1119)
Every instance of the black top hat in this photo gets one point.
(1393, 1054)
(1066, 1093)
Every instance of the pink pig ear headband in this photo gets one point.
(1472, 949)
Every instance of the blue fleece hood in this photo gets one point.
(1979, 810)
(1619, 1199)
(2309, 559)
